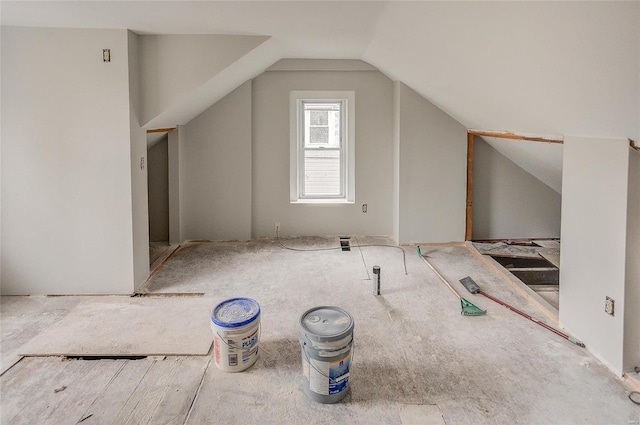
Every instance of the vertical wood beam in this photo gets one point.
(469, 210)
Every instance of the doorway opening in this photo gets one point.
(513, 208)
(158, 192)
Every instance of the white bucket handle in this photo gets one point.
(233, 346)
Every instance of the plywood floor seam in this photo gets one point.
(415, 359)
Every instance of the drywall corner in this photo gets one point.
(139, 190)
(174, 147)
(632, 284)
(66, 171)
(216, 189)
(432, 174)
(593, 234)
(395, 213)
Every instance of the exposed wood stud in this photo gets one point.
(516, 136)
(469, 209)
(161, 130)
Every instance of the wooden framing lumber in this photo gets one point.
(469, 209)
(161, 130)
(516, 136)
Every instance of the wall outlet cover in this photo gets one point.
(609, 306)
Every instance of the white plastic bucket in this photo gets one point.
(236, 334)
(326, 341)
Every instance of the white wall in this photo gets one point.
(594, 225)
(395, 213)
(508, 202)
(158, 184)
(541, 160)
(0, 166)
(632, 286)
(140, 206)
(174, 66)
(244, 139)
(270, 156)
(66, 162)
(216, 187)
(432, 171)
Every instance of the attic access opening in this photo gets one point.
(470, 164)
(158, 203)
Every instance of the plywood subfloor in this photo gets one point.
(126, 326)
(49, 390)
(552, 256)
(415, 357)
(552, 243)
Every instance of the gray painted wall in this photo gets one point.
(66, 162)
(158, 184)
(395, 192)
(594, 225)
(508, 202)
(138, 149)
(397, 165)
(632, 286)
(432, 150)
(173, 66)
(216, 182)
(270, 156)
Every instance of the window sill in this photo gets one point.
(323, 201)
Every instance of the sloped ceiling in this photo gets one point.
(538, 67)
(174, 66)
(531, 67)
(542, 160)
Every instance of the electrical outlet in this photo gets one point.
(364, 208)
(277, 226)
(608, 306)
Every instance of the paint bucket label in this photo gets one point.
(327, 378)
(236, 334)
(326, 340)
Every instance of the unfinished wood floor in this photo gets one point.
(416, 359)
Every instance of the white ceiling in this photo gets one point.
(528, 67)
(333, 29)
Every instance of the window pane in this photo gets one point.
(319, 117)
(322, 173)
(322, 124)
(319, 135)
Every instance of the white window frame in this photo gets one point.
(296, 155)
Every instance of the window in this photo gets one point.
(322, 147)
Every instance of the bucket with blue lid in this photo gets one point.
(236, 333)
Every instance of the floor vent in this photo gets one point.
(345, 243)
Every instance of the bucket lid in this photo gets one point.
(325, 324)
(235, 312)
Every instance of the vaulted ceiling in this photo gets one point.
(533, 67)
